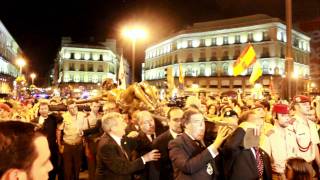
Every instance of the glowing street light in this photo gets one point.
(33, 76)
(21, 62)
(134, 33)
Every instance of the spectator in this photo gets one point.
(24, 153)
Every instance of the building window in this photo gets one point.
(225, 69)
(265, 67)
(100, 68)
(225, 40)
(265, 52)
(90, 67)
(282, 53)
(266, 36)
(202, 55)
(202, 43)
(236, 53)
(202, 69)
(296, 42)
(214, 41)
(250, 37)
(225, 55)
(189, 58)
(213, 69)
(82, 67)
(237, 39)
(213, 55)
(189, 43)
(189, 71)
(175, 58)
(72, 56)
(81, 78)
(71, 67)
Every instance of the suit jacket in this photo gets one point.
(137, 147)
(112, 163)
(162, 169)
(240, 163)
(49, 128)
(191, 161)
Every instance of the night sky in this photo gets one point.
(38, 25)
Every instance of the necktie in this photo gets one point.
(124, 152)
(200, 144)
(152, 137)
(259, 161)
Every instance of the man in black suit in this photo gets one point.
(112, 158)
(141, 142)
(47, 124)
(191, 159)
(162, 169)
(242, 162)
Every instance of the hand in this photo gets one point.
(153, 155)
(223, 133)
(133, 134)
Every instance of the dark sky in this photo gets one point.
(38, 25)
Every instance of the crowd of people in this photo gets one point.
(206, 137)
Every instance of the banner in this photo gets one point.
(244, 61)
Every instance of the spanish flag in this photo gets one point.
(181, 75)
(245, 60)
(256, 72)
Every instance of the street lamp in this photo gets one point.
(134, 33)
(33, 76)
(21, 62)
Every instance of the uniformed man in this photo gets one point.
(72, 126)
(92, 139)
(307, 138)
(280, 142)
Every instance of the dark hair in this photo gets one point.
(301, 170)
(17, 147)
(187, 116)
(266, 104)
(245, 116)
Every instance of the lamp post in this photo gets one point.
(32, 76)
(289, 59)
(21, 62)
(134, 33)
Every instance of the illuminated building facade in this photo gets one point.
(87, 64)
(9, 52)
(207, 51)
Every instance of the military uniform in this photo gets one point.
(280, 144)
(73, 147)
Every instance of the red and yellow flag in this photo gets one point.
(245, 60)
(256, 72)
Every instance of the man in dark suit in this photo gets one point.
(47, 124)
(112, 158)
(191, 159)
(141, 143)
(162, 169)
(242, 162)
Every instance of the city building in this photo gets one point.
(311, 27)
(86, 65)
(9, 52)
(207, 51)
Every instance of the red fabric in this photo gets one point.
(280, 108)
